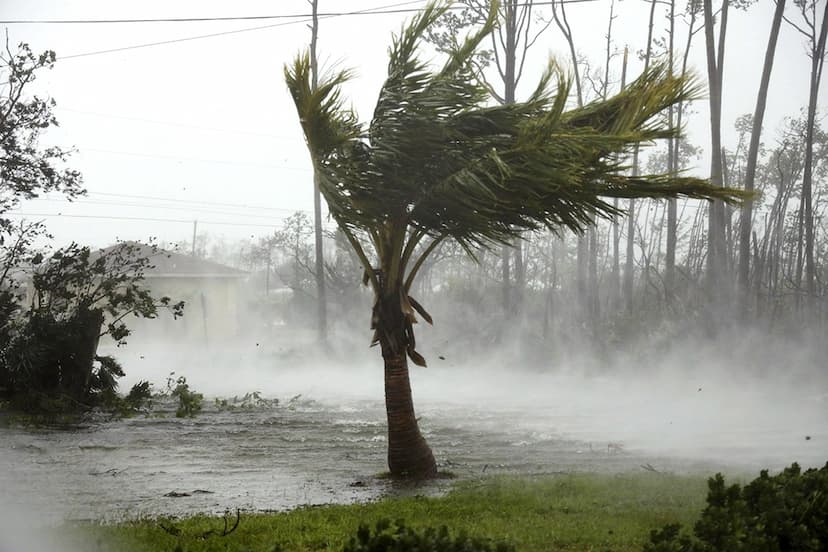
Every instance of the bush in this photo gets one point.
(189, 402)
(788, 511)
(48, 349)
(396, 537)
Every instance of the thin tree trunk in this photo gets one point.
(629, 265)
(745, 229)
(672, 154)
(817, 59)
(506, 276)
(615, 284)
(582, 251)
(511, 293)
(715, 256)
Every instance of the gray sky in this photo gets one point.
(204, 129)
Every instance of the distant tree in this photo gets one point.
(746, 225)
(815, 34)
(715, 53)
(627, 286)
(439, 162)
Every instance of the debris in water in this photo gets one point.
(111, 471)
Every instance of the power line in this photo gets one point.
(307, 19)
(370, 11)
(220, 204)
(390, 9)
(191, 159)
(173, 123)
(141, 219)
(168, 207)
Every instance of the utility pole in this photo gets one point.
(195, 228)
(319, 267)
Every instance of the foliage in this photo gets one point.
(189, 402)
(26, 171)
(788, 511)
(49, 359)
(139, 396)
(250, 401)
(396, 537)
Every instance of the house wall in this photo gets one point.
(212, 310)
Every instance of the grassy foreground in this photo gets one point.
(568, 512)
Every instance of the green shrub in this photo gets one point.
(784, 512)
(396, 537)
(189, 402)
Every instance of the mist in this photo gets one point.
(745, 400)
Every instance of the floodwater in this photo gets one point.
(325, 439)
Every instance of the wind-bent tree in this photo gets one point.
(441, 160)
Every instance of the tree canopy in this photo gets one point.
(439, 156)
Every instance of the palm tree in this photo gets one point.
(442, 161)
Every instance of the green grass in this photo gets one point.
(568, 512)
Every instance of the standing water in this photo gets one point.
(324, 439)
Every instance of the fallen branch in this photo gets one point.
(225, 532)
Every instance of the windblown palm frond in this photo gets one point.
(438, 156)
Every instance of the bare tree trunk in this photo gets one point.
(716, 246)
(506, 276)
(319, 265)
(817, 59)
(615, 283)
(629, 266)
(582, 251)
(745, 229)
(672, 154)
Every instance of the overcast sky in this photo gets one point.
(204, 129)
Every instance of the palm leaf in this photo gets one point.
(439, 157)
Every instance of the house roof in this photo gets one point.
(169, 264)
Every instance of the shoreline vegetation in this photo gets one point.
(581, 511)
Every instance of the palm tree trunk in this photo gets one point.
(408, 453)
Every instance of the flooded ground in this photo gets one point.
(325, 439)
